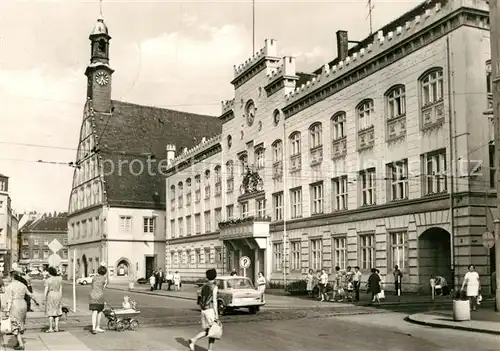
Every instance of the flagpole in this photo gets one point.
(74, 280)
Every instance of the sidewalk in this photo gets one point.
(279, 298)
(45, 342)
(483, 321)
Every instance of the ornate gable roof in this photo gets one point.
(133, 136)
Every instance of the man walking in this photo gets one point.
(157, 279)
(27, 278)
(170, 280)
(356, 280)
(160, 278)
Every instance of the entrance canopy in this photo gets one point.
(250, 231)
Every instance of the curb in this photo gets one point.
(413, 320)
(152, 293)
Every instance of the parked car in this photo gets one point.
(236, 292)
(86, 280)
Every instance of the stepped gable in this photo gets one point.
(132, 134)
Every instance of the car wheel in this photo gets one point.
(253, 309)
(221, 308)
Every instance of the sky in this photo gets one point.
(172, 54)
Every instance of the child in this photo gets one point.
(128, 306)
(152, 281)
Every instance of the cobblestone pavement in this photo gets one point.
(161, 311)
(385, 332)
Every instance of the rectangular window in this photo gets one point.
(340, 193)
(261, 208)
(197, 256)
(26, 255)
(278, 256)
(46, 242)
(367, 251)
(295, 264)
(245, 211)
(197, 223)
(206, 254)
(435, 172)
(317, 198)
(84, 229)
(278, 206)
(399, 249)
(296, 202)
(36, 242)
(45, 254)
(229, 212)
(340, 252)
(26, 241)
(125, 223)
(208, 222)
(432, 87)
(218, 255)
(149, 224)
(398, 179)
(368, 189)
(189, 226)
(90, 227)
(492, 166)
(181, 227)
(36, 254)
(97, 227)
(316, 254)
(172, 228)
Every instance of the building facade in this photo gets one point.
(35, 237)
(117, 202)
(382, 158)
(7, 220)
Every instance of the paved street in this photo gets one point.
(387, 332)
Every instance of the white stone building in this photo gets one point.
(381, 158)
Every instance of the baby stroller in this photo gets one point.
(121, 320)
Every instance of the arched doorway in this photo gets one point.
(123, 268)
(85, 266)
(434, 256)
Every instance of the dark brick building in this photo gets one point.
(35, 237)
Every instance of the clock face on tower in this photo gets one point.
(102, 78)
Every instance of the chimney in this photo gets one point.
(170, 153)
(342, 44)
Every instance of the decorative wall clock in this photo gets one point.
(102, 78)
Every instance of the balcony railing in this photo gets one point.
(278, 170)
(432, 115)
(396, 128)
(339, 147)
(295, 163)
(317, 155)
(366, 138)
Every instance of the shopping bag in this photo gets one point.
(381, 295)
(6, 326)
(215, 331)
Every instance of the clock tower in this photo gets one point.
(98, 71)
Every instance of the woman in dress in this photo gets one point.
(310, 282)
(96, 304)
(471, 279)
(374, 285)
(17, 307)
(53, 299)
(261, 283)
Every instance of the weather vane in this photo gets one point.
(370, 8)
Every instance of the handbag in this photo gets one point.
(479, 299)
(6, 326)
(215, 331)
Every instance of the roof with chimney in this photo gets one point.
(46, 224)
(390, 27)
(134, 135)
